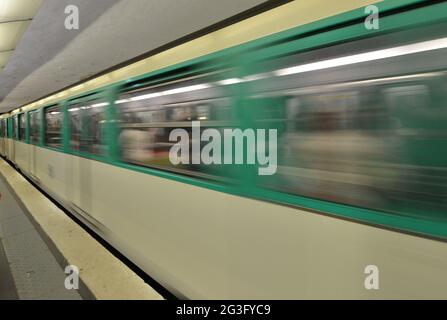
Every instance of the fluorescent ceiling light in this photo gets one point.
(258, 76)
(122, 101)
(185, 89)
(102, 104)
(320, 65)
(229, 81)
(145, 96)
(365, 57)
(168, 92)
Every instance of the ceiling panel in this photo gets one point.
(15, 17)
(11, 10)
(4, 56)
(10, 34)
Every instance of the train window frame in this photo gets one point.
(82, 107)
(21, 127)
(15, 127)
(30, 125)
(8, 127)
(196, 109)
(2, 128)
(47, 110)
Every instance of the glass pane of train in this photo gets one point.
(148, 115)
(359, 126)
(22, 127)
(34, 118)
(87, 124)
(53, 126)
(15, 127)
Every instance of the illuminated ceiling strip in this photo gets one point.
(230, 81)
(366, 57)
(167, 92)
(346, 85)
(320, 65)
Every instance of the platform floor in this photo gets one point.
(38, 240)
(29, 269)
(8, 290)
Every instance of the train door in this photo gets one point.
(2, 137)
(34, 139)
(7, 137)
(77, 170)
(86, 119)
(32, 161)
(12, 141)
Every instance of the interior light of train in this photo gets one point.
(229, 81)
(73, 110)
(122, 101)
(258, 76)
(172, 91)
(186, 89)
(325, 64)
(365, 57)
(145, 96)
(401, 78)
(103, 104)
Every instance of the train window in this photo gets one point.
(35, 123)
(22, 126)
(15, 127)
(2, 126)
(147, 118)
(53, 126)
(374, 144)
(75, 127)
(87, 124)
(8, 128)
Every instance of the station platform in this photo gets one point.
(38, 241)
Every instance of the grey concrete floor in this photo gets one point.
(28, 269)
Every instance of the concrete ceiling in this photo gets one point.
(15, 17)
(49, 57)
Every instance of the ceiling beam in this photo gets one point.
(16, 20)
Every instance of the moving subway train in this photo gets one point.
(361, 179)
